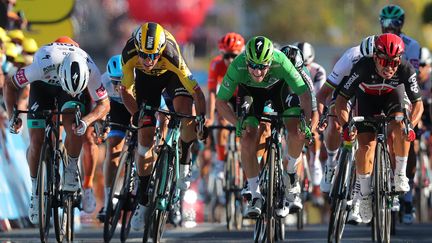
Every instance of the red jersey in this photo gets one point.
(216, 73)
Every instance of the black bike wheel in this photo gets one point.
(422, 201)
(117, 196)
(68, 206)
(131, 201)
(229, 192)
(238, 217)
(270, 229)
(45, 192)
(381, 210)
(336, 198)
(280, 229)
(259, 230)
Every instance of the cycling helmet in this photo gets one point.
(231, 42)
(74, 73)
(259, 50)
(67, 40)
(30, 45)
(392, 15)
(367, 46)
(150, 38)
(294, 54)
(425, 56)
(114, 66)
(390, 45)
(308, 52)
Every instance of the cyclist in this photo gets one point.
(111, 80)
(66, 73)
(230, 45)
(378, 83)
(153, 62)
(265, 74)
(392, 18)
(326, 98)
(318, 76)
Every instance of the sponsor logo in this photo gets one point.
(101, 91)
(226, 83)
(48, 68)
(150, 42)
(34, 107)
(259, 44)
(46, 57)
(353, 77)
(20, 77)
(413, 83)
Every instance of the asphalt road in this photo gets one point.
(210, 233)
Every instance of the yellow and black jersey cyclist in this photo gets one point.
(152, 63)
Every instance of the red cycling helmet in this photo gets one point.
(390, 45)
(231, 42)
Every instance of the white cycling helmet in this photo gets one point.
(307, 51)
(367, 46)
(74, 73)
(425, 56)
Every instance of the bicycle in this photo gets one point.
(233, 181)
(268, 227)
(122, 199)
(383, 191)
(162, 191)
(423, 176)
(53, 157)
(305, 185)
(341, 192)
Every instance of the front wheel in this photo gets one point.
(45, 191)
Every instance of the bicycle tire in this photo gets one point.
(280, 229)
(259, 230)
(238, 217)
(169, 189)
(116, 198)
(130, 204)
(380, 207)
(270, 227)
(68, 204)
(152, 191)
(229, 193)
(422, 203)
(44, 189)
(336, 201)
(60, 215)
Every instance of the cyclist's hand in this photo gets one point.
(322, 126)
(15, 125)
(410, 135)
(308, 135)
(201, 129)
(80, 129)
(348, 135)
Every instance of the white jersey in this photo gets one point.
(45, 66)
(112, 92)
(343, 66)
(412, 51)
(318, 75)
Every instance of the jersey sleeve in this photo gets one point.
(128, 58)
(412, 88)
(348, 88)
(96, 89)
(341, 69)
(229, 83)
(212, 76)
(27, 75)
(291, 75)
(412, 53)
(304, 73)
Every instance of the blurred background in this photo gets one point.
(102, 26)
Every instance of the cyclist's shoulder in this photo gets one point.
(129, 51)
(408, 41)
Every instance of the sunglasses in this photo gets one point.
(229, 56)
(384, 61)
(386, 23)
(255, 66)
(151, 56)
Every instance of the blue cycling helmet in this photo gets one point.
(114, 67)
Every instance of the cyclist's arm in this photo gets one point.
(413, 92)
(126, 90)
(416, 112)
(226, 91)
(341, 110)
(212, 83)
(11, 93)
(323, 94)
(99, 111)
(225, 111)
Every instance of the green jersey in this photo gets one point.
(281, 69)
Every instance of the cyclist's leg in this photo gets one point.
(182, 102)
(316, 167)
(148, 89)
(332, 143)
(38, 101)
(394, 106)
(364, 156)
(289, 104)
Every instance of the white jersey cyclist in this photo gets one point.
(318, 75)
(45, 68)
